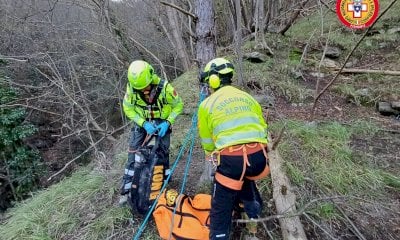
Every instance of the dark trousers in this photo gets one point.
(224, 198)
(138, 135)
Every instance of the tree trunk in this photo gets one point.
(205, 49)
(285, 200)
(239, 43)
(180, 45)
(258, 21)
(205, 32)
(272, 17)
(244, 14)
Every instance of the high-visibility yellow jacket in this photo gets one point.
(230, 117)
(168, 105)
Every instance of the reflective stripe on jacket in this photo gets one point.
(229, 117)
(168, 105)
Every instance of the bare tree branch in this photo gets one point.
(88, 149)
(151, 54)
(13, 59)
(319, 226)
(358, 70)
(31, 107)
(298, 213)
(294, 17)
(180, 9)
(327, 6)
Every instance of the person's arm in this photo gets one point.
(175, 101)
(204, 132)
(130, 109)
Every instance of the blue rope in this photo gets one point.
(203, 95)
(190, 135)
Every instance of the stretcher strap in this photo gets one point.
(146, 139)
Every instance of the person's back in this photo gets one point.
(233, 134)
(234, 117)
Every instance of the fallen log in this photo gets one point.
(285, 199)
(358, 70)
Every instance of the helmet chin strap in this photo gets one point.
(226, 81)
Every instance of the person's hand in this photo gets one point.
(150, 129)
(209, 157)
(162, 128)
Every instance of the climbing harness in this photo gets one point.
(241, 150)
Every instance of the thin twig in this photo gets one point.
(77, 157)
(305, 49)
(267, 230)
(89, 148)
(12, 59)
(347, 59)
(298, 213)
(319, 226)
(31, 107)
(327, 6)
(151, 54)
(322, 59)
(356, 230)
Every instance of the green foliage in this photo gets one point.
(295, 55)
(325, 211)
(294, 173)
(276, 76)
(64, 208)
(391, 180)
(22, 163)
(265, 187)
(326, 157)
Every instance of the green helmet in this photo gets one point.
(140, 74)
(218, 66)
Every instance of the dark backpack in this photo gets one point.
(148, 177)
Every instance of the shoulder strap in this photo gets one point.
(155, 94)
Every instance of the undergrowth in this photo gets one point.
(60, 211)
(319, 157)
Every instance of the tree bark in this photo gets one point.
(293, 18)
(239, 42)
(272, 16)
(205, 49)
(180, 45)
(205, 32)
(357, 70)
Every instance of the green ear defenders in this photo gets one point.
(213, 80)
(215, 73)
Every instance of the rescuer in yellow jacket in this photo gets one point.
(152, 105)
(233, 134)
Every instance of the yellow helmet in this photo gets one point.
(140, 74)
(171, 195)
(216, 68)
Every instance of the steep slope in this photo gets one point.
(344, 161)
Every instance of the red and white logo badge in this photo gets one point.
(357, 13)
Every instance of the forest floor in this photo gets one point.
(379, 150)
